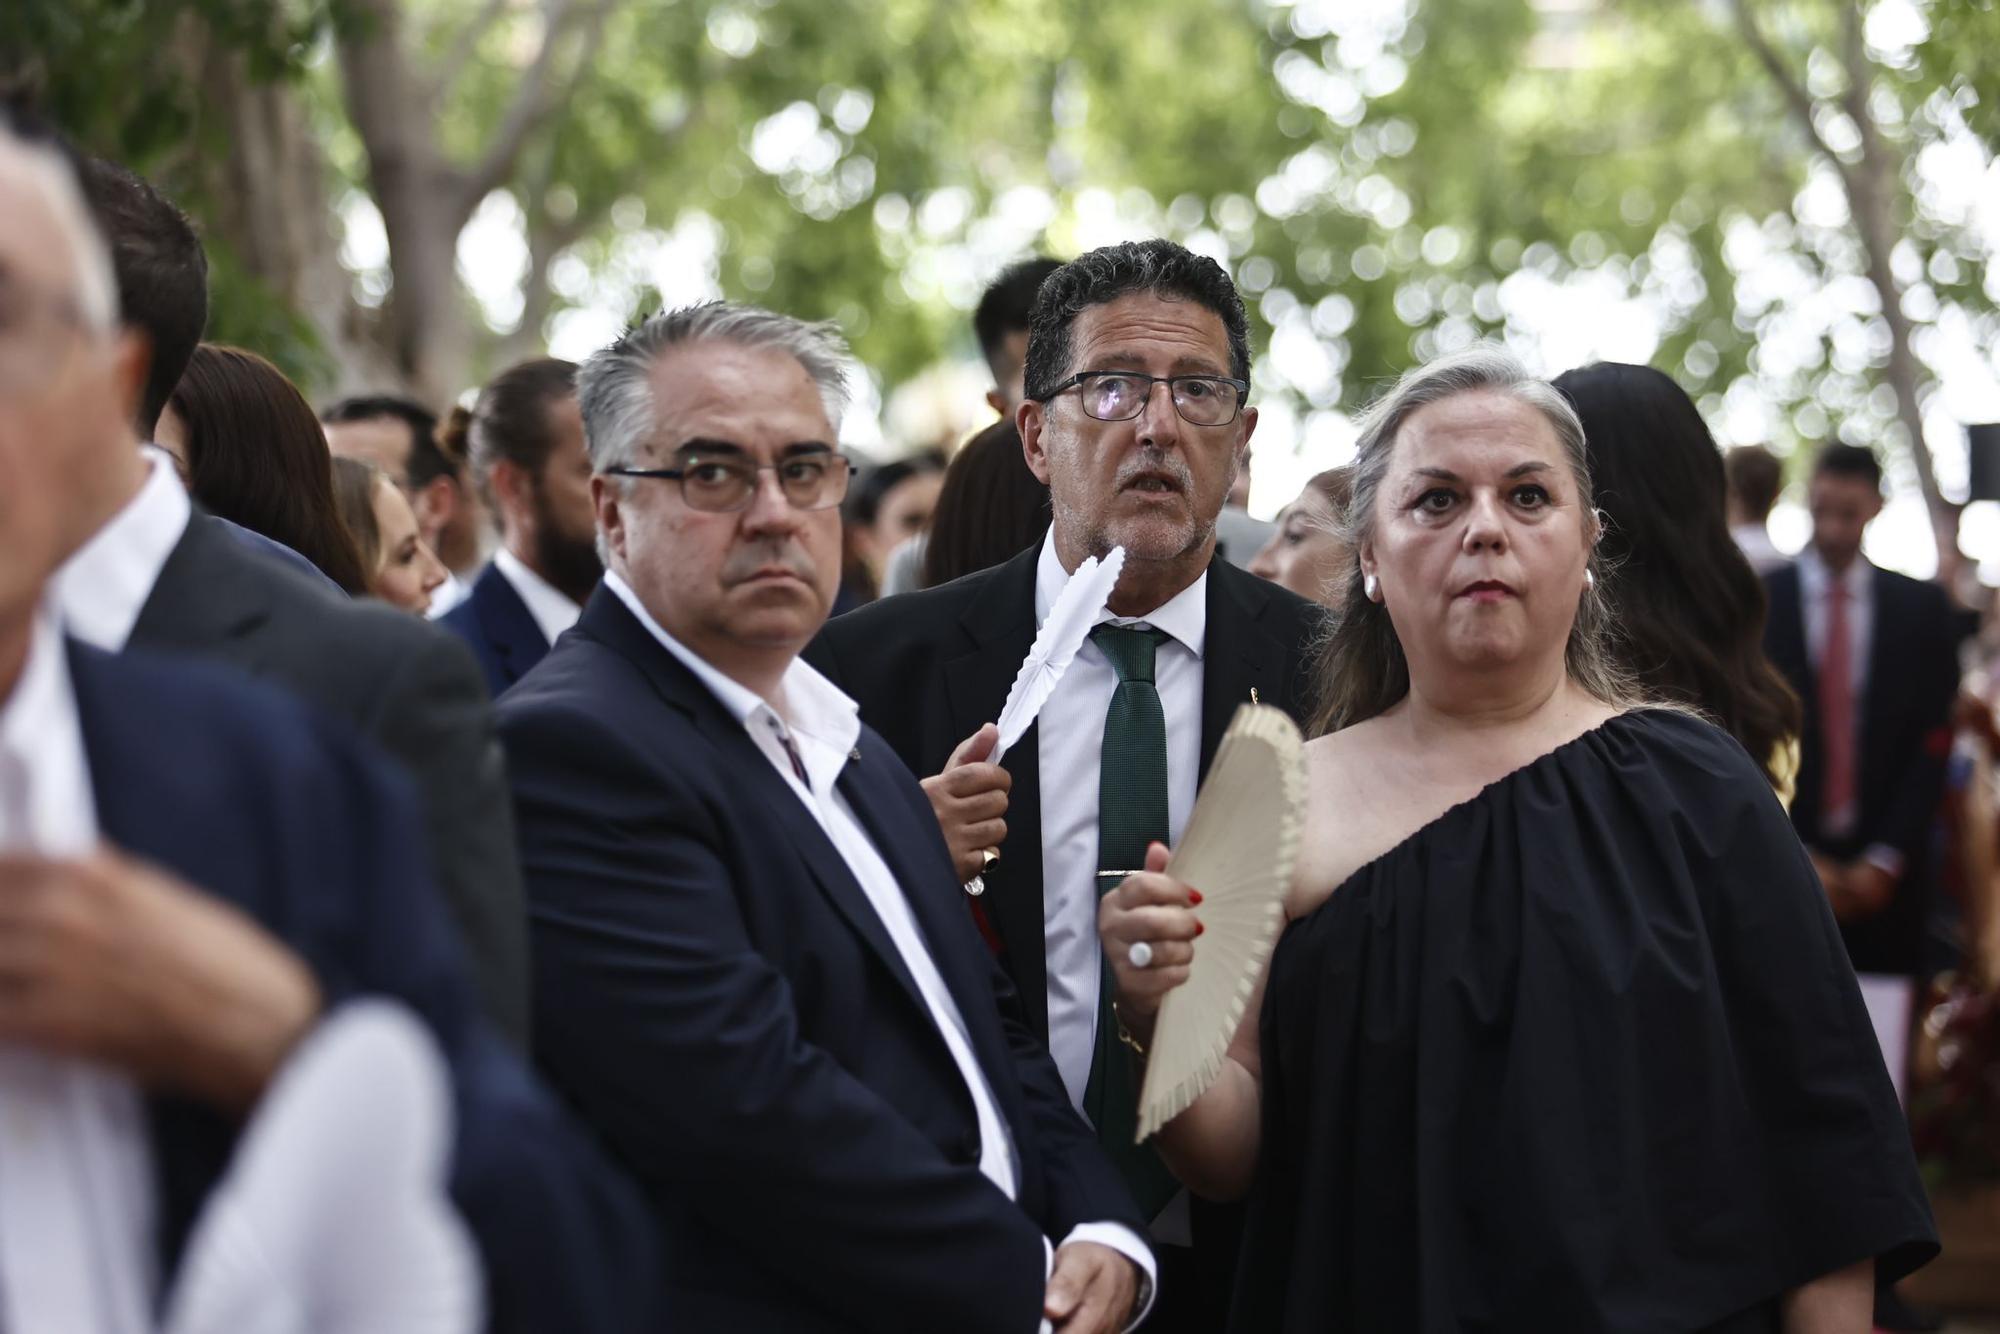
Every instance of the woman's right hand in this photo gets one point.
(1159, 910)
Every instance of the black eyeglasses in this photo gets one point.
(816, 481)
(1118, 396)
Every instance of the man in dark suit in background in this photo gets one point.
(524, 447)
(752, 972)
(1870, 653)
(157, 573)
(193, 872)
(1137, 366)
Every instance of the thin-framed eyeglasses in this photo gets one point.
(1117, 396)
(813, 480)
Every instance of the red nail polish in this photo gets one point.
(1194, 897)
(1199, 928)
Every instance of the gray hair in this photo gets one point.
(96, 281)
(1362, 670)
(614, 387)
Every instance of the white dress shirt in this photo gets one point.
(1071, 736)
(549, 605)
(824, 724)
(76, 1200)
(100, 590)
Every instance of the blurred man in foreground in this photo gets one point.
(194, 872)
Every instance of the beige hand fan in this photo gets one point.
(1241, 842)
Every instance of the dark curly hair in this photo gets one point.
(1157, 267)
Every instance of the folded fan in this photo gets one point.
(1241, 843)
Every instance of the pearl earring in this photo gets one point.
(1370, 588)
(1589, 580)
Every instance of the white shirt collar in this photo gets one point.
(814, 708)
(100, 590)
(1183, 616)
(549, 605)
(1815, 578)
(46, 804)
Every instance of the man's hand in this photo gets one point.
(1092, 1291)
(108, 960)
(970, 799)
(1866, 889)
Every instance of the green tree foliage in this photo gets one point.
(1385, 178)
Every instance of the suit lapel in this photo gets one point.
(607, 620)
(1237, 656)
(1000, 625)
(933, 903)
(510, 627)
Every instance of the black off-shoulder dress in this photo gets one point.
(1584, 1053)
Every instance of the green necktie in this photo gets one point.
(1131, 813)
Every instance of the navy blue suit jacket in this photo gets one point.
(717, 995)
(240, 791)
(500, 629)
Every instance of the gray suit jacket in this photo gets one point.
(407, 686)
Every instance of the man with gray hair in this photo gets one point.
(754, 975)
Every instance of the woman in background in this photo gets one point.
(888, 505)
(990, 508)
(252, 452)
(1307, 554)
(1689, 608)
(402, 570)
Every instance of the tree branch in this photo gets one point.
(460, 55)
(536, 96)
(1796, 97)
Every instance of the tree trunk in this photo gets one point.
(1874, 188)
(428, 324)
(264, 194)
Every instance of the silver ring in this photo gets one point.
(1139, 954)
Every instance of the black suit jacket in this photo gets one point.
(407, 686)
(929, 668)
(717, 995)
(499, 629)
(246, 794)
(1904, 743)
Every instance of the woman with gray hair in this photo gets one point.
(1560, 1034)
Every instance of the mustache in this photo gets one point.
(746, 561)
(1157, 461)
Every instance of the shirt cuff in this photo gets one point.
(1884, 858)
(1127, 1243)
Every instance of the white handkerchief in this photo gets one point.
(333, 1217)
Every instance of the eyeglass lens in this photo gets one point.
(1200, 400)
(809, 481)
